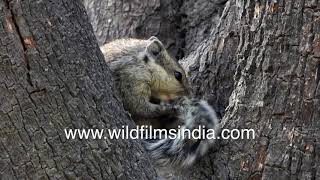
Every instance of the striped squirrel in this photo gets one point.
(154, 88)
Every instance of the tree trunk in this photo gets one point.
(114, 19)
(181, 25)
(266, 55)
(199, 20)
(53, 76)
(260, 68)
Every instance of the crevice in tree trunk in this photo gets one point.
(181, 33)
(25, 42)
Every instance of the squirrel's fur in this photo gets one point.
(148, 80)
(143, 70)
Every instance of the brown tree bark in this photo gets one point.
(263, 64)
(53, 76)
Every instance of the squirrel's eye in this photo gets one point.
(178, 75)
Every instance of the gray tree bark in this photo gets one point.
(181, 25)
(53, 76)
(114, 19)
(199, 20)
(263, 64)
(260, 68)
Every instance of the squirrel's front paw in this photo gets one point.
(168, 109)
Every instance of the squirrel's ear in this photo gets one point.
(155, 46)
(153, 38)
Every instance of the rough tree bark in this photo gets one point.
(53, 76)
(199, 19)
(181, 25)
(266, 55)
(114, 19)
(262, 63)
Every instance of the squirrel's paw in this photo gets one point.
(168, 108)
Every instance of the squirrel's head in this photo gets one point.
(169, 80)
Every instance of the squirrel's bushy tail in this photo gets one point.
(184, 150)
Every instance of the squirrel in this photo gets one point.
(145, 74)
(154, 88)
